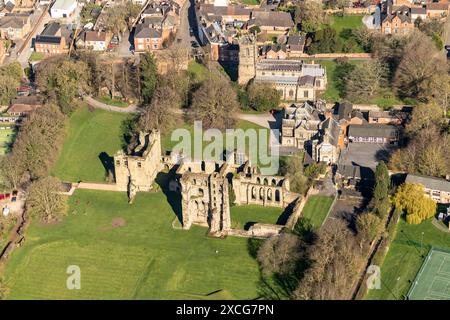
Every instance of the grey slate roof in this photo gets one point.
(145, 32)
(272, 19)
(373, 130)
(429, 182)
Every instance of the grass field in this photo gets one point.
(243, 215)
(91, 137)
(6, 138)
(144, 258)
(316, 210)
(433, 280)
(405, 257)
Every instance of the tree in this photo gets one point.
(364, 37)
(427, 153)
(12, 170)
(382, 181)
(10, 76)
(45, 200)
(422, 70)
(38, 143)
(215, 103)
(410, 198)
(424, 116)
(369, 227)
(263, 96)
(149, 76)
(293, 169)
(364, 81)
(279, 254)
(325, 41)
(310, 16)
(336, 264)
(62, 79)
(160, 114)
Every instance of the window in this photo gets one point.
(306, 93)
(139, 164)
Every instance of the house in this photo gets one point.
(435, 188)
(418, 12)
(96, 40)
(22, 106)
(300, 124)
(437, 10)
(294, 79)
(147, 39)
(63, 9)
(373, 133)
(397, 21)
(295, 45)
(272, 21)
(346, 115)
(326, 147)
(274, 51)
(7, 8)
(227, 14)
(51, 41)
(15, 26)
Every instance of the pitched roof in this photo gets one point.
(48, 39)
(15, 21)
(437, 6)
(373, 130)
(145, 32)
(429, 182)
(296, 41)
(63, 4)
(95, 36)
(272, 19)
(51, 29)
(344, 111)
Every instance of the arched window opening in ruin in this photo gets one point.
(274, 182)
(277, 195)
(203, 166)
(269, 194)
(194, 181)
(266, 182)
(261, 193)
(201, 192)
(253, 193)
(258, 180)
(139, 164)
(189, 169)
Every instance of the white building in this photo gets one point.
(63, 8)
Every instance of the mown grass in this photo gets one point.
(91, 137)
(241, 216)
(405, 257)
(6, 138)
(316, 210)
(112, 101)
(145, 258)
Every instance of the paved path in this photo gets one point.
(100, 105)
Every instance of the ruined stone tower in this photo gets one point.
(137, 172)
(247, 59)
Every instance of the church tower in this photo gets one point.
(247, 59)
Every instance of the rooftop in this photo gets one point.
(429, 182)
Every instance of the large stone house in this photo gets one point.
(273, 22)
(397, 21)
(435, 188)
(300, 124)
(294, 79)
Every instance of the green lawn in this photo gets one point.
(345, 22)
(405, 257)
(250, 2)
(197, 71)
(334, 93)
(168, 144)
(316, 210)
(145, 258)
(90, 137)
(112, 102)
(36, 56)
(241, 215)
(6, 138)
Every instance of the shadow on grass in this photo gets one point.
(108, 163)
(173, 197)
